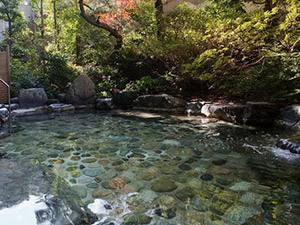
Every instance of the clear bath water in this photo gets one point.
(146, 171)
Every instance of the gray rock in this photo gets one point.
(52, 101)
(62, 97)
(13, 106)
(81, 92)
(289, 117)
(226, 112)
(3, 115)
(104, 103)
(163, 101)
(193, 108)
(260, 113)
(61, 107)
(29, 112)
(14, 100)
(124, 99)
(289, 145)
(33, 97)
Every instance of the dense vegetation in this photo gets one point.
(223, 50)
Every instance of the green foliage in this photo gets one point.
(9, 10)
(145, 85)
(217, 50)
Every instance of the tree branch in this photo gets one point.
(97, 23)
(263, 58)
(294, 45)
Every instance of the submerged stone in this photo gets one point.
(56, 161)
(167, 201)
(94, 172)
(147, 196)
(207, 177)
(219, 162)
(163, 185)
(101, 193)
(92, 185)
(81, 167)
(75, 158)
(185, 167)
(252, 198)
(136, 219)
(72, 168)
(241, 186)
(73, 181)
(89, 160)
(198, 205)
(75, 174)
(53, 155)
(171, 142)
(240, 214)
(108, 150)
(117, 163)
(136, 155)
(185, 194)
(224, 181)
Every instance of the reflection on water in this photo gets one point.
(33, 211)
(157, 171)
(27, 212)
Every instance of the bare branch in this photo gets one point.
(294, 45)
(263, 58)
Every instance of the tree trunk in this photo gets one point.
(42, 20)
(42, 28)
(268, 5)
(78, 48)
(56, 29)
(10, 33)
(158, 15)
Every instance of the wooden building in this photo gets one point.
(4, 75)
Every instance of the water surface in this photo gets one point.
(159, 171)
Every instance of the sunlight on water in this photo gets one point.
(25, 213)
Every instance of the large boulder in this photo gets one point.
(33, 97)
(193, 109)
(81, 92)
(62, 97)
(289, 117)
(226, 112)
(104, 104)
(163, 101)
(260, 113)
(124, 99)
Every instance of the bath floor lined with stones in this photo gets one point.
(160, 171)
